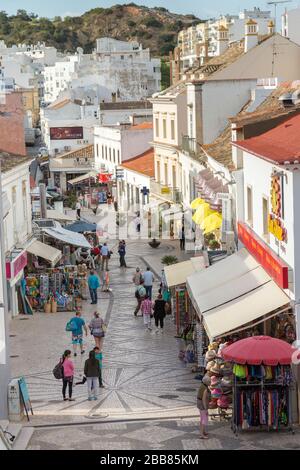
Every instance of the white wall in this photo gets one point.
(221, 100)
(190, 170)
(257, 174)
(290, 25)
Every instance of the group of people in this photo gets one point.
(143, 292)
(93, 365)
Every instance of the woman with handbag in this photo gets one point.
(98, 328)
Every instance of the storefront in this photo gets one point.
(15, 265)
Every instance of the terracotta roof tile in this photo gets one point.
(142, 125)
(143, 163)
(279, 145)
(9, 161)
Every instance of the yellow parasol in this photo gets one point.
(201, 213)
(197, 202)
(212, 222)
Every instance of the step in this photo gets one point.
(23, 438)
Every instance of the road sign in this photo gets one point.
(145, 191)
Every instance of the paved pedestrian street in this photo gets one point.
(149, 397)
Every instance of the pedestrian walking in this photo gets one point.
(146, 309)
(122, 253)
(94, 284)
(68, 375)
(99, 357)
(97, 328)
(105, 282)
(92, 372)
(159, 313)
(105, 253)
(76, 326)
(78, 209)
(137, 277)
(140, 294)
(182, 238)
(148, 282)
(137, 222)
(203, 399)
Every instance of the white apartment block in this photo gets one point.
(290, 25)
(58, 77)
(113, 145)
(39, 52)
(200, 42)
(124, 68)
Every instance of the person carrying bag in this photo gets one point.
(98, 329)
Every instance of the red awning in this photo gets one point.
(104, 177)
(259, 350)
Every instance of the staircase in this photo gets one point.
(14, 436)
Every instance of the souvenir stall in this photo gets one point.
(57, 289)
(262, 384)
(219, 377)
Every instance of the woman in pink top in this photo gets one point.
(146, 308)
(68, 374)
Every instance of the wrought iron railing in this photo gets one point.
(167, 192)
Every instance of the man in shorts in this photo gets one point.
(77, 334)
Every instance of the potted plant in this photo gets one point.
(214, 245)
(168, 260)
(154, 243)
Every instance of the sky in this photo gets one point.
(201, 8)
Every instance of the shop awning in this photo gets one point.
(234, 292)
(56, 215)
(177, 274)
(67, 236)
(44, 251)
(79, 179)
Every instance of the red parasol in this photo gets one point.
(259, 350)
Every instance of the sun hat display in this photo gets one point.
(215, 381)
(210, 355)
(216, 369)
(210, 365)
(226, 382)
(223, 402)
(213, 346)
(216, 392)
(206, 380)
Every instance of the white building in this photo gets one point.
(122, 111)
(39, 52)
(290, 25)
(197, 44)
(124, 68)
(68, 125)
(269, 207)
(58, 76)
(113, 145)
(17, 223)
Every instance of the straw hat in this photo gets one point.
(210, 355)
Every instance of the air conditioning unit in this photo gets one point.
(67, 148)
(56, 150)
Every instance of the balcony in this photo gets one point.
(190, 146)
(167, 192)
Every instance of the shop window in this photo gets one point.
(97, 150)
(158, 171)
(166, 174)
(119, 160)
(265, 208)
(249, 206)
(114, 155)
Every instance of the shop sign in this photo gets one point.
(120, 173)
(275, 224)
(66, 133)
(165, 190)
(15, 265)
(264, 255)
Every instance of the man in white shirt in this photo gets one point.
(148, 277)
(105, 256)
(78, 209)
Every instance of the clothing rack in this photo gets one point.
(264, 387)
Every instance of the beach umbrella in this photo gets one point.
(212, 222)
(197, 202)
(201, 213)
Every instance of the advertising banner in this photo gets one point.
(66, 133)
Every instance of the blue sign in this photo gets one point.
(145, 191)
(25, 395)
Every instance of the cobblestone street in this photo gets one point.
(149, 397)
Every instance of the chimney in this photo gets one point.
(251, 35)
(222, 40)
(271, 27)
(132, 119)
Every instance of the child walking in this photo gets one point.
(146, 308)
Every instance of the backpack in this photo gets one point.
(71, 326)
(58, 371)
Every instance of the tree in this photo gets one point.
(23, 15)
(165, 74)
